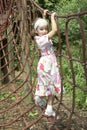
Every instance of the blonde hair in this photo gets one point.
(40, 21)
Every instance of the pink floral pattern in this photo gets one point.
(49, 81)
(41, 66)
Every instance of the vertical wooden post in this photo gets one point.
(25, 46)
(4, 60)
(0, 65)
(11, 54)
(4, 50)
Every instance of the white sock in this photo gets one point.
(49, 108)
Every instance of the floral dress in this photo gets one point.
(49, 82)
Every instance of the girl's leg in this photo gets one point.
(49, 110)
(37, 99)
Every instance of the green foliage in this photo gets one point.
(2, 95)
(81, 96)
(81, 99)
(33, 114)
(63, 6)
(47, 4)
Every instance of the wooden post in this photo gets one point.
(4, 50)
(0, 65)
(11, 54)
(25, 47)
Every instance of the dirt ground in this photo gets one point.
(61, 123)
(65, 118)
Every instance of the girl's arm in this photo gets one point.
(54, 26)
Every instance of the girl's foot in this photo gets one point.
(41, 103)
(50, 113)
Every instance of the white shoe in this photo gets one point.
(52, 113)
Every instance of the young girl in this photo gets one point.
(49, 82)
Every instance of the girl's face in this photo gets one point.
(42, 30)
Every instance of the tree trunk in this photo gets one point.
(25, 47)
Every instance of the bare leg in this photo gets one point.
(50, 100)
(49, 110)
